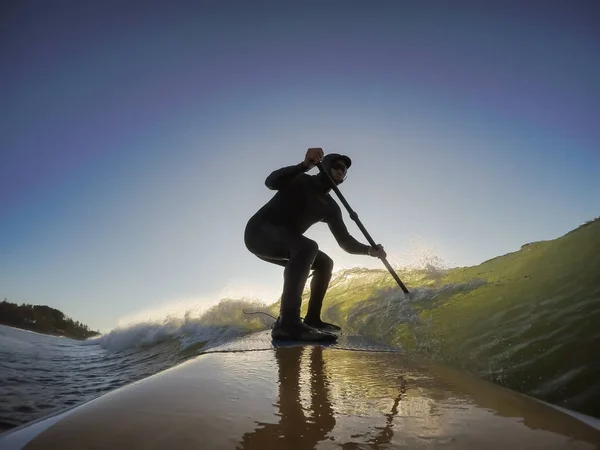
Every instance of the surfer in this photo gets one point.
(275, 234)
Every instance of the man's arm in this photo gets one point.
(281, 178)
(342, 236)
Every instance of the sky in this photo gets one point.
(136, 138)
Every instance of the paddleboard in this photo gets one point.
(254, 393)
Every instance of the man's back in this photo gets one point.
(298, 204)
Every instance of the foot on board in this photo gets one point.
(300, 332)
(323, 326)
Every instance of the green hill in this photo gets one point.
(42, 319)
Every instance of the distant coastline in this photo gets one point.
(43, 319)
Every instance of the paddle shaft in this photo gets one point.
(354, 217)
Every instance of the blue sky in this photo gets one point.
(135, 139)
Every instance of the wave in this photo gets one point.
(526, 320)
(222, 322)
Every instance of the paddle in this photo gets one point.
(354, 217)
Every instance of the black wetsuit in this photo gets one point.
(274, 234)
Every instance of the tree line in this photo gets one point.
(42, 319)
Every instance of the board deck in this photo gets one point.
(262, 340)
(252, 394)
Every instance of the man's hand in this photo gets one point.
(377, 251)
(313, 156)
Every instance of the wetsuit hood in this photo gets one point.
(328, 161)
(331, 157)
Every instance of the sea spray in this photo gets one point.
(223, 321)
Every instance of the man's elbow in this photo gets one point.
(270, 183)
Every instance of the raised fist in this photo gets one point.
(313, 156)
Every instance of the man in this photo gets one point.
(275, 234)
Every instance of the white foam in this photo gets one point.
(223, 321)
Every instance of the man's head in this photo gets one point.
(337, 166)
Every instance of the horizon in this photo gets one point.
(148, 316)
(136, 141)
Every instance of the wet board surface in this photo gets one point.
(250, 394)
(262, 341)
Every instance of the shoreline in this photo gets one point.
(47, 333)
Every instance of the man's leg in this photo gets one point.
(295, 276)
(297, 253)
(322, 270)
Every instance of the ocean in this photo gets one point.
(528, 320)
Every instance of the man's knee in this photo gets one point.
(323, 263)
(312, 248)
(307, 249)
